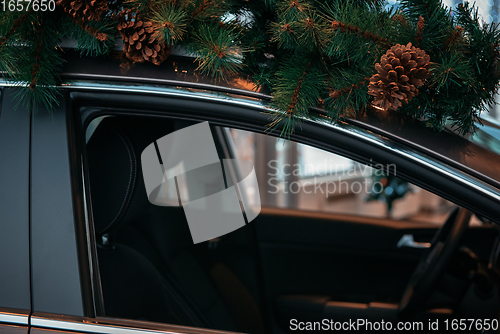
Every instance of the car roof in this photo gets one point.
(477, 155)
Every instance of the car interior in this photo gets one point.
(287, 264)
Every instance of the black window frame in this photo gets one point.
(86, 105)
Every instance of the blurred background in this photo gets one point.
(296, 176)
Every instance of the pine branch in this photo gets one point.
(420, 30)
(453, 39)
(401, 19)
(38, 57)
(201, 8)
(205, 11)
(335, 94)
(89, 40)
(297, 88)
(452, 74)
(284, 35)
(170, 22)
(139, 6)
(305, 51)
(15, 26)
(90, 30)
(350, 97)
(38, 63)
(291, 23)
(430, 10)
(296, 92)
(314, 33)
(333, 98)
(218, 54)
(468, 17)
(336, 25)
(291, 10)
(433, 22)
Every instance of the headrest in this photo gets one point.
(113, 175)
(117, 189)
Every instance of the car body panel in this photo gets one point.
(55, 269)
(14, 203)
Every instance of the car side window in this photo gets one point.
(299, 176)
(153, 264)
(179, 213)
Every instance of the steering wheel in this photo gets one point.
(433, 263)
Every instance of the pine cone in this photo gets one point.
(84, 10)
(401, 71)
(139, 41)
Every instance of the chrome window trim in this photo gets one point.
(172, 91)
(180, 92)
(89, 327)
(96, 327)
(168, 82)
(14, 318)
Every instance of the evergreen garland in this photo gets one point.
(308, 53)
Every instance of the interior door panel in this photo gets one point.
(322, 265)
(347, 258)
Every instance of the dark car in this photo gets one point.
(83, 248)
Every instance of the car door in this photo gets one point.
(67, 273)
(14, 215)
(66, 283)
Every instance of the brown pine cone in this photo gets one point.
(84, 10)
(401, 71)
(139, 41)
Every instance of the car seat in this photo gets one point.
(147, 267)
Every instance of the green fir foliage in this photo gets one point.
(298, 86)
(87, 43)
(217, 51)
(170, 23)
(30, 57)
(462, 50)
(31, 61)
(305, 53)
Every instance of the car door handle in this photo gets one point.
(407, 240)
